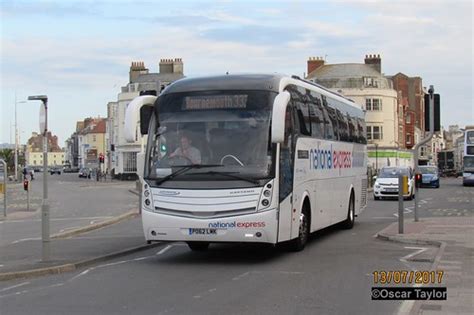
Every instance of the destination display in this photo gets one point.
(215, 102)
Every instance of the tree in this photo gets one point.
(9, 156)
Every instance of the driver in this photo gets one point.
(187, 151)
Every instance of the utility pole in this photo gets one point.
(45, 235)
(421, 143)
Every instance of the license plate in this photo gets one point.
(426, 181)
(196, 231)
(391, 189)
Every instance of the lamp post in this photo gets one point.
(45, 237)
(16, 140)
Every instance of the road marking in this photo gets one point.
(419, 251)
(241, 276)
(407, 305)
(26, 239)
(406, 211)
(81, 274)
(164, 250)
(58, 219)
(14, 286)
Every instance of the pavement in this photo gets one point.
(454, 236)
(76, 249)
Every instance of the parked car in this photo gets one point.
(55, 170)
(85, 172)
(386, 183)
(70, 170)
(429, 176)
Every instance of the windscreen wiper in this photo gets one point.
(231, 175)
(182, 170)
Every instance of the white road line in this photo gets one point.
(164, 250)
(57, 219)
(81, 274)
(407, 305)
(419, 251)
(25, 239)
(14, 286)
(241, 276)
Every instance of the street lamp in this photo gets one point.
(16, 140)
(45, 237)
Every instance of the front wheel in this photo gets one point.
(349, 222)
(198, 246)
(299, 243)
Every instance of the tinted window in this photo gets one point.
(299, 100)
(317, 116)
(329, 122)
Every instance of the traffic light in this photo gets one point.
(437, 120)
(101, 158)
(418, 178)
(25, 184)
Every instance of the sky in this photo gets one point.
(79, 53)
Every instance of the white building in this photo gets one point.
(123, 155)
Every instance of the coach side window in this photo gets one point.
(333, 120)
(343, 126)
(353, 132)
(361, 128)
(329, 126)
(317, 116)
(299, 99)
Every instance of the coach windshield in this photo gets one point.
(214, 136)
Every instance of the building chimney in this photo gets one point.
(166, 65)
(374, 61)
(178, 65)
(137, 68)
(314, 63)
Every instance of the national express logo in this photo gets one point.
(329, 159)
(234, 224)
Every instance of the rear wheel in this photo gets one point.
(349, 222)
(198, 246)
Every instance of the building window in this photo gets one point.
(374, 133)
(34, 162)
(376, 104)
(377, 132)
(373, 104)
(408, 119)
(130, 162)
(408, 138)
(94, 138)
(370, 82)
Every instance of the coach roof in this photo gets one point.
(268, 82)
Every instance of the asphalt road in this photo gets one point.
(333, 275)
(74, 202)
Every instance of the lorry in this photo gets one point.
(446, 163)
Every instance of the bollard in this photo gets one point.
(400, 201)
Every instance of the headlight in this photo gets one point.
(266, 196)
(377, 186)
(435, 178)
